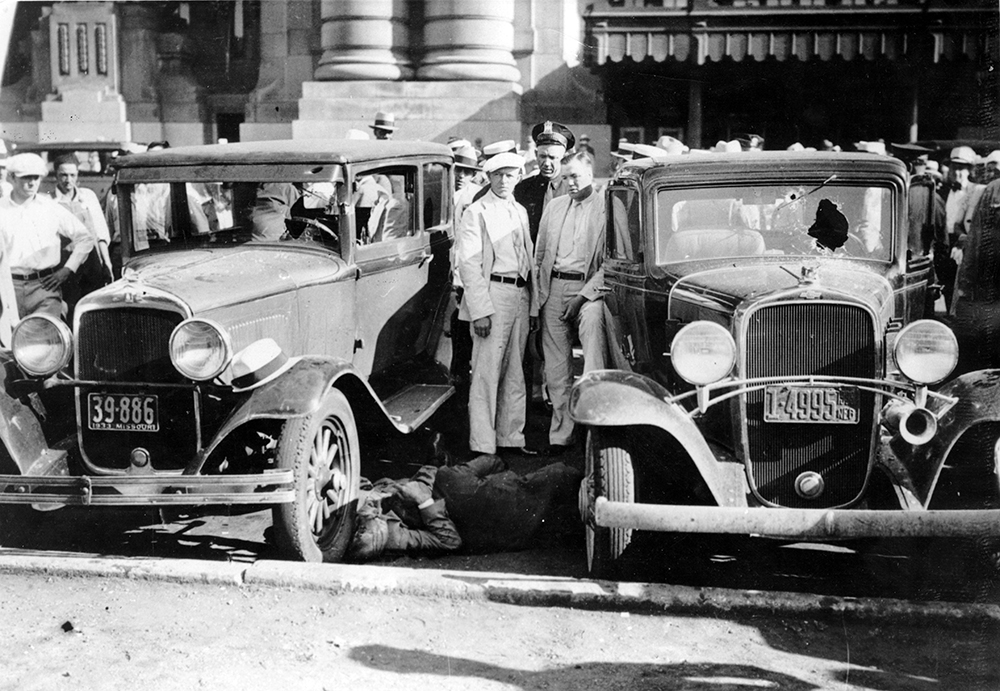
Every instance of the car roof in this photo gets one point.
(815, 163)
(283, 152)
(34, 147)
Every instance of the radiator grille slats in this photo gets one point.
(809, 338)
(126, 345)
(133, 345)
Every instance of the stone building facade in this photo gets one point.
(790, 70)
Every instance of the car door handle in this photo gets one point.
(424, 257)
(603, 289)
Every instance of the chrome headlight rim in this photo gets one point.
(709, 329)
(917, 374)
(64, 339)
(225, 341)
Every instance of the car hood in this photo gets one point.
(725, 288)
(207, 278)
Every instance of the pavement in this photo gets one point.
(525, 590)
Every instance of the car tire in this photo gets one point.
(609, 473)
(321, 449)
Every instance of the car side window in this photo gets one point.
(624, 241)
(435, 200)
(384, 204)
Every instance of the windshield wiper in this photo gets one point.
(803, 196)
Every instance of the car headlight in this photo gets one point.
(200, 349)
(926, 351)
(42, 344)
(703, 353)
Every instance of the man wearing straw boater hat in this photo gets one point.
(384, 126)
(494, 253)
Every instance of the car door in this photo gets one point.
(402, 260)
(624, 276)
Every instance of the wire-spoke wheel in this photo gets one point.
(609, 473)
(322, 451)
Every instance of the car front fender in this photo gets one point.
(614, 398)
(298, 392)
(22, 436)
(978, 401)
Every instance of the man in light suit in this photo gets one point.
(494, 256)
(570, 250)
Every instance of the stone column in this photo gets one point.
(289, 44)
(469, 40)
(182, 98)
(364, 39)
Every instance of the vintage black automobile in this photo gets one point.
(774, 374)
(338, 251)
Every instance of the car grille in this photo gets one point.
(809, 338)
(133, 345)
(126, 345)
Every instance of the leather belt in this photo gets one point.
(519, 282)
(567, 275)
(34, 276)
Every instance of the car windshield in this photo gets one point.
(179, 214)
(814, 219)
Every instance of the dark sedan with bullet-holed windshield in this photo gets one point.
(281, 307)
(774, 372)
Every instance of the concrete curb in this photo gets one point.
(541, 591)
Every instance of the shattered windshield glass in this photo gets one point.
(809, 219)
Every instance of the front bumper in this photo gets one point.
(272, 487)
(800, 524)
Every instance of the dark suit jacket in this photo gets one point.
(530, 193)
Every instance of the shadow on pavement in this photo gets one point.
(636, 676)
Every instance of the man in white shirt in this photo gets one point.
(83, 203)
(495, 251)
(31, 227)
(570, 249)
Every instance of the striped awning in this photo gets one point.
(758, 35)
(713, 46)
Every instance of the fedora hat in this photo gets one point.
(257, 364)
(384, 121)
(731, 147)
(672, 145)
(501, 147)
(465, 157)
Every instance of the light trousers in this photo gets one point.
(557, 346)
(496, 392)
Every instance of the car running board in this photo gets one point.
(410, 407)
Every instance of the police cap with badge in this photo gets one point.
(548, 133)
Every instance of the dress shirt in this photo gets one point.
(31, 235)
(505, 227)
(572, 254)
(88, 199)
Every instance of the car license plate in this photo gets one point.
(117, 412)
(811, 404)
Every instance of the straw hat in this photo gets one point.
(257, 364)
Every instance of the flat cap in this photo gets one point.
(504, 160)
(21, 165)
